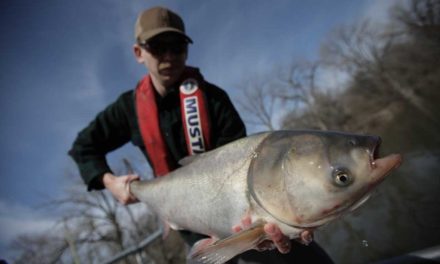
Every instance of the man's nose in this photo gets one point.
(168, 54)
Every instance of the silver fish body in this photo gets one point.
(296, 179)
(209, 195)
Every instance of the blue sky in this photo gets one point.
(63, 61)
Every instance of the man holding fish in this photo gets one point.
(174, 113)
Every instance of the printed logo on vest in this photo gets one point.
(193, 125)
(189, 86)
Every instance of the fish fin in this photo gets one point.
(173, 226)
(167, 226)
(201, 245)
(223, 250)
(165, 230)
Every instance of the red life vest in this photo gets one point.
(194, 119)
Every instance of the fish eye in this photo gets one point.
(342, 177)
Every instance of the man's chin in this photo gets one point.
(168, 80)
(167, 72)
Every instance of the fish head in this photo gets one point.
(307, 178)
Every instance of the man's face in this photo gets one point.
(165, 56)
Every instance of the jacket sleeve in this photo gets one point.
(108, 131)
(228, 125)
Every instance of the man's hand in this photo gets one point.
(120, 187)
(276, 238)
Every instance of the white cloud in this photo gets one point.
(17, 219)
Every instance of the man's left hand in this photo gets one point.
(276, 238)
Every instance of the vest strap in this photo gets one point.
(194, 117)
(195, 120)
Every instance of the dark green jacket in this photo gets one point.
(117, 125)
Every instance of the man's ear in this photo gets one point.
(137, 50)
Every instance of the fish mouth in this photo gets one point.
(375, 154)
(388, 163)
(374, 149)
(381, 167)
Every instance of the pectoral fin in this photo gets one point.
(223, 250)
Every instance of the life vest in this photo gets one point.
(195, 120)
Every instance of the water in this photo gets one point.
(364, 243)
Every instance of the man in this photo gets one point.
(159, 117)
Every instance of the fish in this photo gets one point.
(297, 179)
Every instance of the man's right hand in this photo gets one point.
(119, 186)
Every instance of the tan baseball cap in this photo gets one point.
(157, 20)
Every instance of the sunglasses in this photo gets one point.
(159, 48)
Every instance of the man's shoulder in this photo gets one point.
(215, 91)
(125, 97)
(123, 102)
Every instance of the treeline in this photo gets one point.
(389, 79)
(92, 227)
(393, 80)
(371, 79)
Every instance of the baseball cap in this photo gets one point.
(157, 20)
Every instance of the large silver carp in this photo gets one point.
(299, 180)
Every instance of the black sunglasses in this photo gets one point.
(159, 48)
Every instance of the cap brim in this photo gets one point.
(152, 33)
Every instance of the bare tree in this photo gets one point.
(258, 103)
(392, 90)
(92, 227)
(311, 101)
(41, 248)
(270, 102)
(355, 47)
(396, 60)
(421, 20)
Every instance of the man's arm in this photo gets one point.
(227, 125)
(119, 186)
(107, 132)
